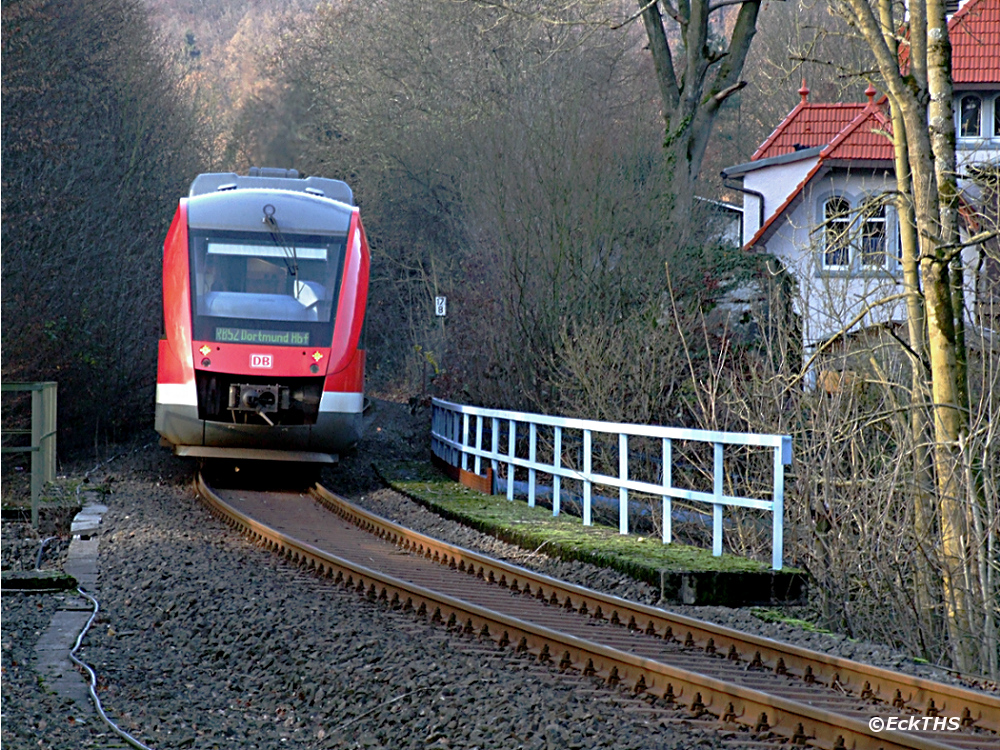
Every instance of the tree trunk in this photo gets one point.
(919, 428)
(931, 212)
(693, 92)
(954, 393)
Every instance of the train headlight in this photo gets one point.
(313, 369)
(206, 362)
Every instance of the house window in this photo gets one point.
(969, 114)
(837, 249)
(873, 237)
(858, 236)
(996, 117)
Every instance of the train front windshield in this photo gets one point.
(259, 288)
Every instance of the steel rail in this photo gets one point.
(767, 713)
(879, 684)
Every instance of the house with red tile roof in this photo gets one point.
(818, 191)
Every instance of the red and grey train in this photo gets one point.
(265, 284)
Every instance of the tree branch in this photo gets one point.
(956, 248)
(724, 3)
(822, 348)
(729, 91)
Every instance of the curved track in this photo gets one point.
(770, 689)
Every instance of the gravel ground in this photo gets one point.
(206, 641)
(394, 437)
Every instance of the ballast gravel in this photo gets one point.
(204, 640)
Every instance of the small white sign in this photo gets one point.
(259, 361)
(440, 306)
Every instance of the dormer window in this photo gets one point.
(970, 114)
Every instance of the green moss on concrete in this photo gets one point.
(37, 580)
(646, 559)
(777, 616)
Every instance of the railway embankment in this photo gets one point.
(205, 640)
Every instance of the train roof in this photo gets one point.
(273, 179)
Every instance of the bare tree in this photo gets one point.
(95, 155)
(698, 49)
(919, 88)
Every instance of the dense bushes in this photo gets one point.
(96, 151)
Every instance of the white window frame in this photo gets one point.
(856, 221)
(869, 219)
(960, 112)
(828, 224)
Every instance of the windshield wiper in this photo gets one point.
(279, 239)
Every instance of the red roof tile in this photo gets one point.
(850, 131)
(868, 137)
(975, 42)
(806, 126)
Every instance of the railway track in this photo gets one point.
(773, 691)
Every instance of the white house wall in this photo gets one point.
(775, 183)
(828, 301)
(832, 301)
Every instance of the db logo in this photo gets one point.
(261, 361)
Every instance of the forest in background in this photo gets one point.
(516, 166)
